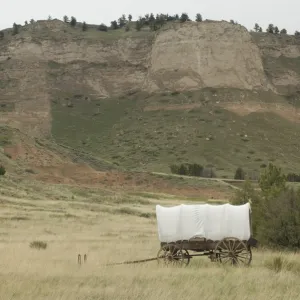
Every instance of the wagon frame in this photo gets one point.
(229, 250)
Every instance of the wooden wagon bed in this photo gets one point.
(228, 251)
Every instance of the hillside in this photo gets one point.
(208, 92)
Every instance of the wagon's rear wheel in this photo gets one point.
(234, 252)
(173, 255)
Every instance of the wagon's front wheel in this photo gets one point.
(173, 255)
(233, 251)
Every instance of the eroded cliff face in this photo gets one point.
(208, 54)
(50, 60)
(281, 60)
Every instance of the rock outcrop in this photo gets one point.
(49, 59)
(208, 54)
(281, 60)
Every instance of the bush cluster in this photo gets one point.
(38, 245)
(240, 174)
(275, 209)
(2, 170)
(193, 170)
(292, 177)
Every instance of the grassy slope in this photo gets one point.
(115, 180)
(11, 137)
(121, 131)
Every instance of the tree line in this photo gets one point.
(154, 22)
(157, 21)
(197, 170)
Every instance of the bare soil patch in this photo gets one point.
(172, 107)
(32, 155)
(83, 175)
(285, 111)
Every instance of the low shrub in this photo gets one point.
(2, 170)
(38, 245)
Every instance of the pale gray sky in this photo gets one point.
(284, 14)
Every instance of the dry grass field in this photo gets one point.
(114, 227)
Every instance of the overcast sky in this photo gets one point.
(284, 14)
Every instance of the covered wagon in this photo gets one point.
(222, 232)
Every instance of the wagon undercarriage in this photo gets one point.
(229, 250)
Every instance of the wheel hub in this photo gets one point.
(169, 257)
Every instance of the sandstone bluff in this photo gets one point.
(49, 56)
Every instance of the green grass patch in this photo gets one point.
(7, 107)
(6, 136)
(124, 132)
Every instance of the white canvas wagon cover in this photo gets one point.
(214, 222)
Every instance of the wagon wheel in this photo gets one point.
(173, 255)
(233, 251)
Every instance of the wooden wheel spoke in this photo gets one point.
(186, 257)
(242, 254)
(243, 258)
(172, 250)
(237, 247)
(233, 244)
(228, 259)
(245, 255)
(226, 247)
